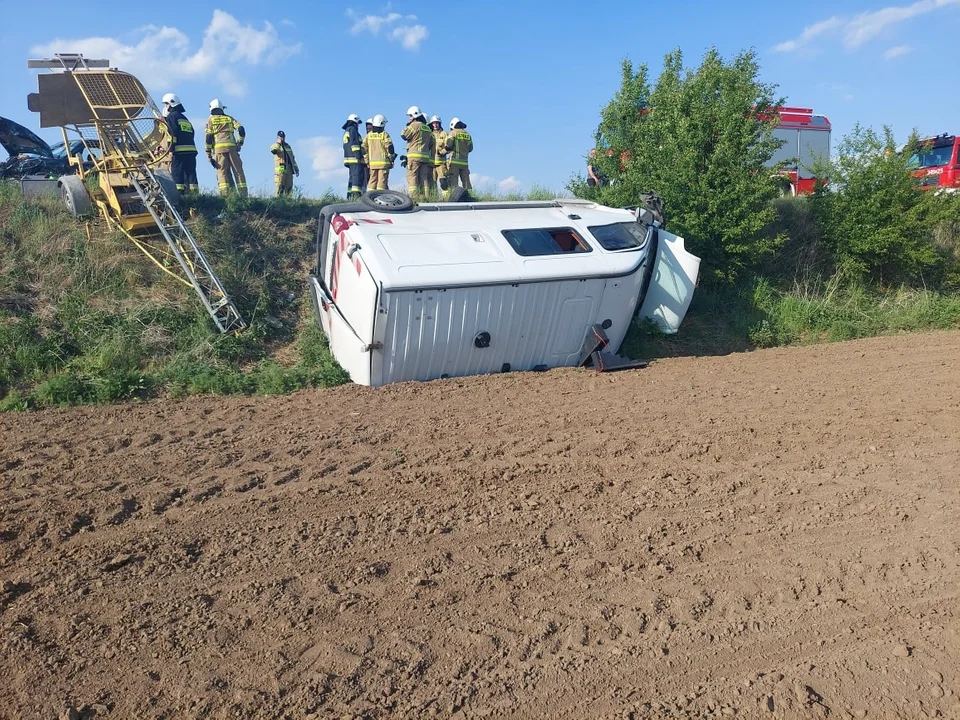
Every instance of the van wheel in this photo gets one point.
(74, 195)
(460, 194)
(387, 201)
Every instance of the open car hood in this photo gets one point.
(16, 140)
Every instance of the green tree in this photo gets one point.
(876, 223)
(700, 139)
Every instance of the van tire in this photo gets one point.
(74, 195)
(387, 201)
(460, 194)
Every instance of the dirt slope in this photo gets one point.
(771, 534)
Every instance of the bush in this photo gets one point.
(698, 140)
(878, 226)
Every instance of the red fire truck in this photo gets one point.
(806, 138)
(937, 163)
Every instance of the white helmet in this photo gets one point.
(368, 121)
(434, 119)
(353, 117)
(379, 120)
(453, 122)
(413, 111)
(171, 99)
(215, 104)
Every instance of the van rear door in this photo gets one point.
(671, 285)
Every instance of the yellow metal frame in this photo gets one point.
(121, 147)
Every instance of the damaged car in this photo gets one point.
(32, 158)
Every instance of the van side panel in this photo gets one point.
(431, 333)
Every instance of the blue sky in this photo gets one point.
(528, 77)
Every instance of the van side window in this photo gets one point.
(546, 241)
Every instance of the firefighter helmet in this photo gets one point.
(368, 121)
(379, 120)
(171, 99)
(413, 111)
(353, 117)
(215, 104)
(435, 119)
(454, 121)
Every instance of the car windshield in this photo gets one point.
(59, 151)
(932, 157)
(620, 236)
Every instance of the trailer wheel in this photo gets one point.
(74, 195)
(169, 186)
(387, 201)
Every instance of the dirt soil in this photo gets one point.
(771, 534)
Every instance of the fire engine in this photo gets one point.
(937, 163)
(806, 137)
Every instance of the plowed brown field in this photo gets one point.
(772, 534)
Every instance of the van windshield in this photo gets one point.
(620, 236)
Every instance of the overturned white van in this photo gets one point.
(421, 292)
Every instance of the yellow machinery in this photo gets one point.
(122, 130)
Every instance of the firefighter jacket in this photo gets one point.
(352, 151)
(378, 150)
(284, 161)
(220, 132)
(419, 139)
(440, 148)
(459, 145)
(181, 134)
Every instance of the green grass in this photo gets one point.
(89, 319)
(759, 314)
(86, 318)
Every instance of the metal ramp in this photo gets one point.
(121, 129)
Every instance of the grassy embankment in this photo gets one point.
(85, 317)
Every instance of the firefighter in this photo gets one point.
(162, 150)
(380, 154)
(459, 146)
(365, 176)
(285, 164)
(419, 153)
(182, 147)
(223, 149)
(353, 156)
(439, 153)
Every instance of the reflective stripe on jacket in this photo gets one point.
(378, 150)
(419, 139)
(284, 161)
(181, 133)
(440, 147)
(220, 132)
(352, 153)
(460, 145)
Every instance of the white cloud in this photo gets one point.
(482, 181)
(897, 51)
(326, 156)
(410, 36)
(491, 184)
(397, 27)
(162, 56)
(509, 185)
(856, 31)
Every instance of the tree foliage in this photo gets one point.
(873, 219)
(700, 138)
